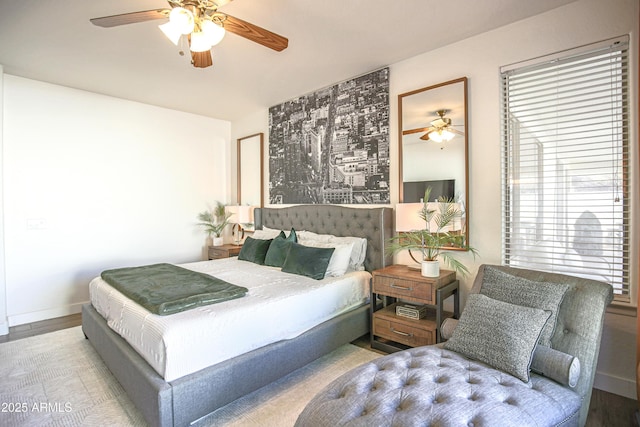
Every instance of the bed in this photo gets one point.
(189, 398)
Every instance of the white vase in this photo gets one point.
(218, 241)
(430, 268)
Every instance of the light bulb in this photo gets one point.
(171, 32)
(199, 42)
(435, 136)
(214, 32)
(182, 19)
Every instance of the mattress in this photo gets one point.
(278, 306)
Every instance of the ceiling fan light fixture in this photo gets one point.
(171, 32)
(199, 42)
(214, 32)
(441, 135)
(182, 19)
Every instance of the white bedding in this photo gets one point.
(278, 306)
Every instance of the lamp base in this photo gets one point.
(238, 234)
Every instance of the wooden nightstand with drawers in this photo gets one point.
(224, 251)
(398, 285)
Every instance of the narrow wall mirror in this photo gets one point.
(433, 146)
(250, 162)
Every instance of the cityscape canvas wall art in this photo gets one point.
(332, 146)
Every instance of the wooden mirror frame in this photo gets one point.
(401, 97)
(244, 142)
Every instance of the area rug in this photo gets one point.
(58, 379)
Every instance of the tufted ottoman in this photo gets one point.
(431, 386)
(523, 353)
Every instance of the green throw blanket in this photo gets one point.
(167, 289)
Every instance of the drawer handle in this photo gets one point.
(404, 334)
(402, 288)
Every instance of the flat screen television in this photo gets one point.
(412, 192)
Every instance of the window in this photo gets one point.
(565, 165)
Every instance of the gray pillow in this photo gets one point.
(561, 367)
(498, 333)
(506, 287)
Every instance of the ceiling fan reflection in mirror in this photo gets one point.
(202, 25)
(441, 129)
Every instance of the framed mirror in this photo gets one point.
(250, 162)
(433, 146)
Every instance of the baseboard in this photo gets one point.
(4, 328)
(616, 385)
(52, 313)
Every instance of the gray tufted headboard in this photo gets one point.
(374, 224)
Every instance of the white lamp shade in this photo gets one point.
(199, 42)
(182, 20)
(213, 32)
(233, 211)
(245, 215)
(171, 32)
(241, 214)
(408, 217)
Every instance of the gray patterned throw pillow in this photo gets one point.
(498, 333)
(506, 287)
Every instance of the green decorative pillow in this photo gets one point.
(499, 334)
(254, 250)
(307, 261)
(278, 249)
(506, 287)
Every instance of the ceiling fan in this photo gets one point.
(202, 24)
(441, 129)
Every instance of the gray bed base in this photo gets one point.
(188, 399)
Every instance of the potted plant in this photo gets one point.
(214, 222)
(433, 241)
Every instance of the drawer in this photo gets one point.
(404, 288)
(215, 253)
(403, 332)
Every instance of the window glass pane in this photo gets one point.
(566, 180)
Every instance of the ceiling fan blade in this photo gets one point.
(425, 137)
(130, 18)
(418, 130)
(255, 33)
(201, 59)
(456, 131)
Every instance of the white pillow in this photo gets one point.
(270, 233)
(358, 253)
(265, 234)
(339, 262)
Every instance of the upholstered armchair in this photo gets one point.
(523, 352)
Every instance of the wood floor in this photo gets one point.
(606, 409)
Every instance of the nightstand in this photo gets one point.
(224, 251)
(397, 284)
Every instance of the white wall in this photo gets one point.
(250, 125)
(479, 58)
(4, 321)
(93, 182)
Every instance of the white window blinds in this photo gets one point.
(565, 192)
